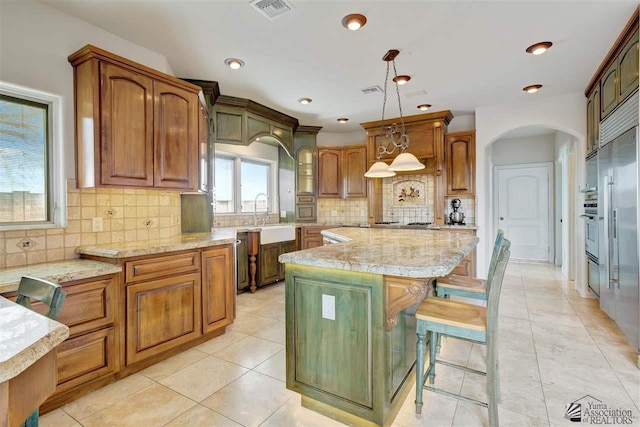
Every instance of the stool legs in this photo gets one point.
(420, 353)
(434, 338)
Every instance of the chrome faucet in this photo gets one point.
(265, 216)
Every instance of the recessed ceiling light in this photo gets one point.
(234, 63)
(424, 107)
(343, 120)
(305, 101)
(532, 88)
(402, 79)
(354, 21)
(539, 48)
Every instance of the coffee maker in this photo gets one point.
(456, 217)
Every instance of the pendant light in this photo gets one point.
(388, 144)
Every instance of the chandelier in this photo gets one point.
(388, 143)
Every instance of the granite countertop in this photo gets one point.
(57, 272)
(219, 236)
(26, 337)
(396, 252)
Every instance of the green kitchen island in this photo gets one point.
(350, 324)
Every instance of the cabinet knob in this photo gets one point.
(501, 218)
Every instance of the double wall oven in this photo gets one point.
(592, 223)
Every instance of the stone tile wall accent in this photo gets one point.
(127, 215)
(394, 210)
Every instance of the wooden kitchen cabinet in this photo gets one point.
(467, 266)
(90, 353)
(311, 237)
(135, 126)
(330, 172)
(609, 87)
(426, 134)
(593, 119)
(460, 157)
(242, 262)
(269, 268)
(218, 294)
(306, 184)
(162, 314)
(628, 61)
(341, 172)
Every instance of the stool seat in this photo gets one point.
(471, 284)
(453, 313)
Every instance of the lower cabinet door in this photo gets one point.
(162, 314)
(285, 248)
(85, 358)
(269, 269)
(217, 288)
(464, 268)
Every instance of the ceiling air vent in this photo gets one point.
(416, 93)
(372, 89)
(272, 8)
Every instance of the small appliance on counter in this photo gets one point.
(456, 217)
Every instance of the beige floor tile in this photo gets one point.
(275, 366)
(470, 415)
(250, 400)
(556, 399)
(57, 418)
(151, 406)
(515, 334)
(447, 378)
(437, 410)
(250, 324)
(548, 334)
(293, 414)
(203, 378)
(250, 302)
(454, 350)
(200, 416)
(550, 317)
(222, 341)
(105, 396)
(275, 332)
(275, 310)
(167, 367)
(249, 352)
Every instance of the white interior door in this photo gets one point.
(524, 209)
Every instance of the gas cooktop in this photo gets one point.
(396, 224)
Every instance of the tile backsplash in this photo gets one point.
(239, 220)
(342, 211)
(408, 198)
(127, 215)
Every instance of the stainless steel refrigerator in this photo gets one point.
(618, 214)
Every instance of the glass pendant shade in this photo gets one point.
(379, 170)
(405, 162)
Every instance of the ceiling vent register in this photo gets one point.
(371, 90)
(272, 9)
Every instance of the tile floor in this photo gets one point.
(555, 347)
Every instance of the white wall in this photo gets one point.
(35, 41)
(563, 112)
(459, 123)
(526, 149)
(329, 139)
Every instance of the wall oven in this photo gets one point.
(592, 231)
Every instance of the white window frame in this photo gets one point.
(237, 172)
(56, 181)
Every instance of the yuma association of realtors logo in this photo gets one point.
(590, 410)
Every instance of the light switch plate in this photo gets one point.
(96, 224)
(328, 307)
(283, 214)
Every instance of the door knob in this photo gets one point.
(501, 218)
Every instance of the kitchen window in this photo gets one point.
(239, 180)
(30, 168)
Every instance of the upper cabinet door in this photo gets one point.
(126, 149)
(329, 173)
(628, 68)
(176, 135)
(460, 154)
(355, 166)
(609, 90)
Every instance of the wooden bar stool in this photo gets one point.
(439, 316)
(49, 293)
(469, 287)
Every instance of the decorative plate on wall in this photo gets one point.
(409, 193)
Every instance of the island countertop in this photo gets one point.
(394, 252)
(26, 337)
(172, 244)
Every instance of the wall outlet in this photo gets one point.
(328, 307)
(96, 224)
(283, 214)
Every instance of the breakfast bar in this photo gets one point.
(350, 324)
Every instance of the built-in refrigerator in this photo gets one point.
(618, 214)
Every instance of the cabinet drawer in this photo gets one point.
(150, 268)
(89, 304)
(306, 199)
(86, 357)
(311, 231)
